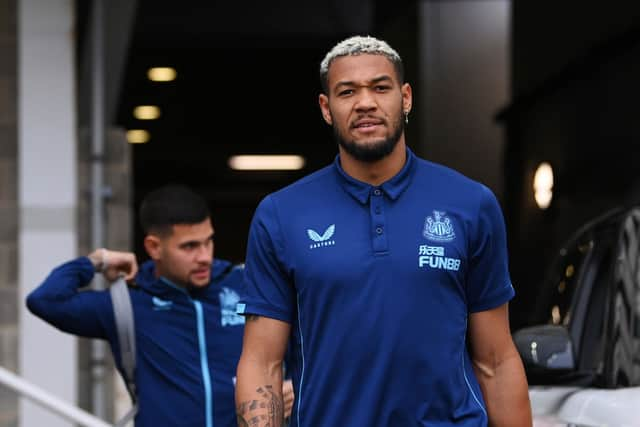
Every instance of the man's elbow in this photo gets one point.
(489, 366)
(35, 304)
(41, 305)
(485, 370)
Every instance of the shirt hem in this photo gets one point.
(261, 310)
(501, 298)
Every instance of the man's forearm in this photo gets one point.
(505, 386)
(259, 396)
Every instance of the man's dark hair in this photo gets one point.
(171, 205)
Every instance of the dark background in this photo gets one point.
(575, 89)
(248, 82)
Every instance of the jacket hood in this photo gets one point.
(147, 280)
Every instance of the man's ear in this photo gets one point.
(153, 247)
(407, 97)
(323, 100)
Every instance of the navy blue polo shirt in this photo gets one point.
(377, 284)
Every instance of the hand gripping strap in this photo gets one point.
(123, 314)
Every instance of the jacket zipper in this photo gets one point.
(204, 364)
(204, 360)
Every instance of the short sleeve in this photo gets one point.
(268, 291)
(488, 281)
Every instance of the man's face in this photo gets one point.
(365, 105)
(186, 255)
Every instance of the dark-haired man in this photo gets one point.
(188, 337)
(390, 273)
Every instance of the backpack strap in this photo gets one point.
(125, 326)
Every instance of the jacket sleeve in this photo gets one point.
(60, 302)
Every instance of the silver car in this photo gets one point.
(583, 356)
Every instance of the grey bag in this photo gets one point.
(125, 326)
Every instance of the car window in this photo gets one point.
(591, 329)
(554, 303)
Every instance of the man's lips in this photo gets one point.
(201, 273)
(367, 123)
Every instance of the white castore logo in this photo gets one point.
(324, 240)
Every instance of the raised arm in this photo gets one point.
(499, 369)
(60, 302)
(259, 400)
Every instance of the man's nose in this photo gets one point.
(205, 253)
(365, 101)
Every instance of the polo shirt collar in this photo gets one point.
(392, 188)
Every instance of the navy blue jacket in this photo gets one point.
(187, 343)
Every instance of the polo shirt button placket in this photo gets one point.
(377, 220)
(377, 201)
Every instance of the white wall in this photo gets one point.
(47, 190)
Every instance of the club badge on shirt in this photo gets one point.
(228, 301)
(438, 228)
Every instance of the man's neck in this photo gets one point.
(159, 274)
(375, 173)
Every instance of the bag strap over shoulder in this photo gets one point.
(125, 326)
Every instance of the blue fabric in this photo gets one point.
(378, 284)
(170, 373)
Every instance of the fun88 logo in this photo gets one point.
(433, 257)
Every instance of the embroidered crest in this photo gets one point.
(228, 301)
(438, 228)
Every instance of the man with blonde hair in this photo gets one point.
(389, 273)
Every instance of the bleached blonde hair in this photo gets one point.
(359, 45)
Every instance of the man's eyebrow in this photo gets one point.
(384, 78)
(189, 242)
(349, 83)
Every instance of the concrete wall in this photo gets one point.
(8, 207)
(464, 63)
(45, 215)
(47, 191)
(118, 235)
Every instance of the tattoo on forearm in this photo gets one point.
(268, 411)
(242, 422)
(275, 405)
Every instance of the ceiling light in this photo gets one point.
(162, 74)
(146, 112)
(543, 185)
(138, 136)
(266, 162)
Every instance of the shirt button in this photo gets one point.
(377, 209)
(379, 230)
(377, 192)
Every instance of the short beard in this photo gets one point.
(374, 152)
